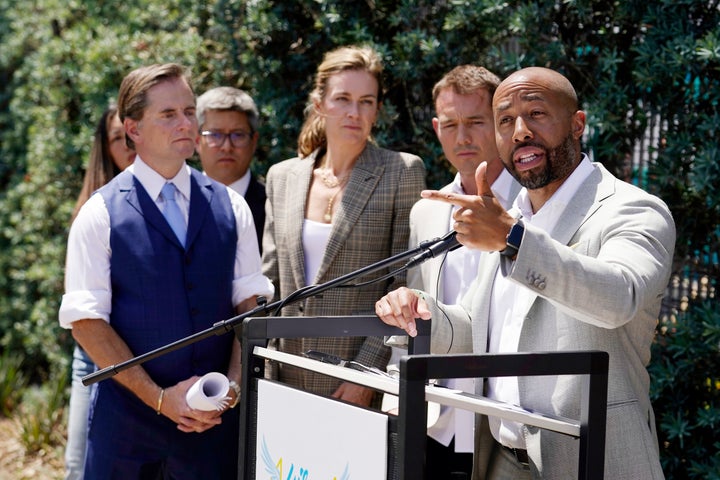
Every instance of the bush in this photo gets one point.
(42, 414)
(685, 392)
(12, 382)
(638, 67)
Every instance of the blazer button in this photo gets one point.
(540, 285)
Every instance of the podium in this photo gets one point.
(406, 436)
(416, 370)
(254, 337)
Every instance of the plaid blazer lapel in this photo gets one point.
(363, 181)
(295, 206)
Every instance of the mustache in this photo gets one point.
(469, 148)
(528, 144)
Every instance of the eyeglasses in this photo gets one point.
(217, 139)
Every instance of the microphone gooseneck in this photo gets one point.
(435, 247)
(425, 250)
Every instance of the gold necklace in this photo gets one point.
(331, 182)
(328, 211)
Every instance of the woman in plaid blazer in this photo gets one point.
(342, 204)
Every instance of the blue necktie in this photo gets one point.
(172, 212)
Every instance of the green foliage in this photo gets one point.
(12, 382)
(686, 393)
(678, 65)
(64, 72)
(42, 414)
(280, 44)
(635, 64)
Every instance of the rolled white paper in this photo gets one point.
(209, 393)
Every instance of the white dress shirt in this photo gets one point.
(460, 270)
(241, 184)
(502, 188)
(510, 302)
(88, 292)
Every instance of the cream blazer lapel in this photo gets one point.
(582, 206)
(429, 219)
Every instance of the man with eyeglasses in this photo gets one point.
(228, 121)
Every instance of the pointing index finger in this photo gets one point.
(448, 197)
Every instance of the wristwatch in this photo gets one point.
(236, 387)
(513, 240)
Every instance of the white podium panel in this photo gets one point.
(306, 437)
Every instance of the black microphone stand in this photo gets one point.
(224, 326)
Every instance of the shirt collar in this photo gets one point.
(241, 184)
(562, 196)
(456, 185)
(153, 182)
(502, 188)
(502, 183)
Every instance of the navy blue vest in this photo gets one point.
(162, 292)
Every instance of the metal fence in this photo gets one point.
(695, 278)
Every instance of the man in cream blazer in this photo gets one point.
(464, 127)
(582, 264)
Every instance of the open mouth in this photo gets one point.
(528, 160)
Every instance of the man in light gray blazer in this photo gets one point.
(464, 127)
(581, 264)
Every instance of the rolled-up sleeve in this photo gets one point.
(87, 266)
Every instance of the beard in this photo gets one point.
(561, 161)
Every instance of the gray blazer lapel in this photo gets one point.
(298, 187)
(581, 207)
(362, 183)
(514, 191)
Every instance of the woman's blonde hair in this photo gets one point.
(312, 135)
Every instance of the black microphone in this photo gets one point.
(435, 247)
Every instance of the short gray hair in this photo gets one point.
(224, 99)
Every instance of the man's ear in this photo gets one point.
(578, 124)
(436, 126)
(131, 129)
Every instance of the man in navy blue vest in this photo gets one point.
(136, 281)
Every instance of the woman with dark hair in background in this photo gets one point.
(109, 156)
